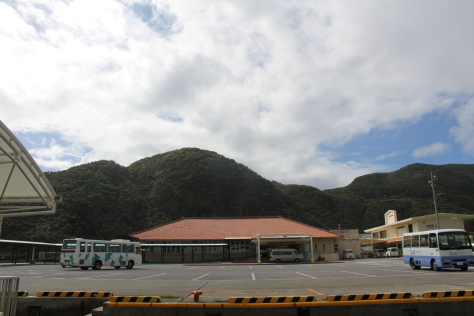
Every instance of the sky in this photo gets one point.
(302, 92)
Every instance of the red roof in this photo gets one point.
(220, 228)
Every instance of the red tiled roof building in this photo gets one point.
(232, 239)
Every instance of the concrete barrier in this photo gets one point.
(20, 293)
(64, 306)
(386, 307)
(365, 297)
(73, 294)
(149, 306)
(135, 299)
(271, 299)
(437, 294)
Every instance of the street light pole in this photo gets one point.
(433, 179)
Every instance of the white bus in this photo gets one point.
(85, 253)
(437, 249)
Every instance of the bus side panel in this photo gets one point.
(115, 259)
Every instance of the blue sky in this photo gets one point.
(313, 92)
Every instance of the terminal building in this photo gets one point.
(251, 239)
(234, 239)
(390, 234)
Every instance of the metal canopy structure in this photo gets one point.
(24, 189)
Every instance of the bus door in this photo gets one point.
(434, 250)
(84, 251)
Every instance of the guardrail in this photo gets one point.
(9, 296)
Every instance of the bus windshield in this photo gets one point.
(454, 240)
(69, 244)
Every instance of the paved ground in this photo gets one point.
(221, 281)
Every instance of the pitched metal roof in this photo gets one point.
(24, 189)
(222, 228)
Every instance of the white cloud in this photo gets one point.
(437, 148)
(390, 155)
(267, 84)
(464, 132)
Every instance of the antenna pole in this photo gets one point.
(433, 179)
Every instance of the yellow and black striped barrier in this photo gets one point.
(72, 294)
(439, 294)
(272, 299)
(367, 297)
(135, 299)
(19, 293)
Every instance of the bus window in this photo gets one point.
(415, 241)
(433, 241)
(128, 248)
(423, 240)
(115, 248)
(89, 247)
(406, 241)
(82, 246)
(100, 247)
(138, 250)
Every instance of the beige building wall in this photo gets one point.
(350, 240)
(325, 248)
(393, 229)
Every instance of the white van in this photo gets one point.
(279, 255)
(348, 254)
(392, 252)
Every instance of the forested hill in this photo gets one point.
(104, 200)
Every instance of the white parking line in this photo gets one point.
(200, 277)
(359, 273)
(221, 268)
(253, 276)
(97, 276)
(309, 276)
(151, 276)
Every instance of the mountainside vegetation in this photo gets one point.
(104, 200)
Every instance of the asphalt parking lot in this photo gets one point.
(218, 282)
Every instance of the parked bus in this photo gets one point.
(437, 249)
(85, 253)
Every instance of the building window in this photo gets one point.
(238, 246)
(375, 235)
(324, 247)
(336, 248)
(383, 234)
(172, 249)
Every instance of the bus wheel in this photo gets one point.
(413, 265)
(297, 260)
(84, 268)
(117, 267)
(97, 265)
(463, 268)
(277, 260)
(130, 264)
(434, 265)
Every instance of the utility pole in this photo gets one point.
(433, 179)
